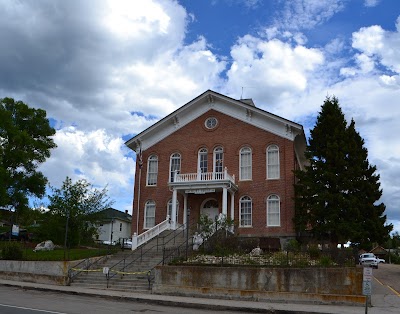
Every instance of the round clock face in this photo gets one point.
(211, 123)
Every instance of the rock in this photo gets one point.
(47, 245)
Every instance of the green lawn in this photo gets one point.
(59, 254)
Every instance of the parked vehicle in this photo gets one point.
(126, 244)
(369, 259)
(23, 235)
(381, 260)
(108, 242)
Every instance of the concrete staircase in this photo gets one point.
(130, 270)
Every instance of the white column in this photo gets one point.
(173, 211)
(232, 210)
(185, 208)
(225, 201)
(232, 206)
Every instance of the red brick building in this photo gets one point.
(218, 155)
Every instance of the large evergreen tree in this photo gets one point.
(364, 209)
(25, 143)
(336, 194)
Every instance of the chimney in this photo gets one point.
(248, 101)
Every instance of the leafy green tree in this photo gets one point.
(336, 195)
(76, 205)
(25, 143)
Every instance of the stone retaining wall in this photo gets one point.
(317, 285)
(35, 271)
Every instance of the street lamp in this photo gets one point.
(187, 230)
(66, 233)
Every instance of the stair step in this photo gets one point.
(135, 263)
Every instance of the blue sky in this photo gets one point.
(106, 70)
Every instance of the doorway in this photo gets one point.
(210, 208)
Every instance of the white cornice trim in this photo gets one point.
(221, 103)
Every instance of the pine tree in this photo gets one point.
(367, 215)
(336, 195)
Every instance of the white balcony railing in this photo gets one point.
(204, 176)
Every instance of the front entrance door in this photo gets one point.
(210, 209)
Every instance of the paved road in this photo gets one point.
(386, 288)
(14, 300)
(388, 275)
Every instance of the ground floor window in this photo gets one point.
(149, 215)
(273, 211)
(245, 211)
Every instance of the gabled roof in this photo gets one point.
(243, 110)
(111, 213)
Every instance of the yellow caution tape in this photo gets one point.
(114, 271)
(88, 270)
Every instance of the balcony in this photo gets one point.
(204, 180)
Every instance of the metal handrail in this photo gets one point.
(142, 254)
(87, 264)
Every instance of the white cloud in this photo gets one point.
(96, 156)
(383, 45)
(272, 69)
(306, 14)
(371, 3)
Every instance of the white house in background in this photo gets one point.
(115, 226)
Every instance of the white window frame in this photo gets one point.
(152, 170)
(169, 209)
(202, 160)
(273, 162)
(245, 203)
(174, 166)
(218, 159)
(245, 164)
(149, 215)
(273, 211)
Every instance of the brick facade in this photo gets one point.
(231, 134)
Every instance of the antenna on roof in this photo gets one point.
(241, 95)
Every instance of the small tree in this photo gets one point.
(76, 205)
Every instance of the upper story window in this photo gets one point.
(245, 166)
(211, 123)
(273, 162)
(152, 170)
(245, 211)
(149, 215)
(174, 166)
(218, 159)
(202, 160)
(273, 211)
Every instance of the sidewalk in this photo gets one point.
(384, 300)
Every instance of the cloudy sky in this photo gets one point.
(106, 70)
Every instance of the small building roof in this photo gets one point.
(112, 213)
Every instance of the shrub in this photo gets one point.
(12, 251)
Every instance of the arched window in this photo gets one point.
(202, 160)
(273, 211)
(245, 205)
(152, 170)
(174, 166)
(245, 164)
(273, 162)
(149, 214)
(218, 159)
(169, 209)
